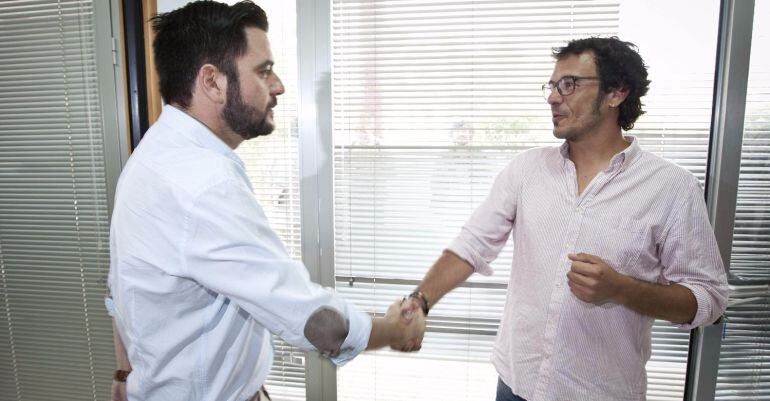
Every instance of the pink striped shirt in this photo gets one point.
(644, 216)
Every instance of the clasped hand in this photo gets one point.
(409, 324)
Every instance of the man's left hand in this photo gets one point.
(592, 280)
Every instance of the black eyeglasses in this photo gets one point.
(565, 86)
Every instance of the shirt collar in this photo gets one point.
(195, 131)
(621, 160)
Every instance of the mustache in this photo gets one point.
(273, 102)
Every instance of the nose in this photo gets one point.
(554, 97)
(276, 87)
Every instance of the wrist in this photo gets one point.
(384, 332)
(422, 300)
(623, 289)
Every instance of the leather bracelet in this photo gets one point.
(121, 375)
(423, 301)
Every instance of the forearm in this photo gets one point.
(674, 303)
(121, 358)
(448, 272)
(383, 334)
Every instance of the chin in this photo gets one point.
(557, 133)
(564, 134)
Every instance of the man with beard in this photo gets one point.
(198, 280)
(607, 237)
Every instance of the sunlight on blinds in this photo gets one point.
(272, 164)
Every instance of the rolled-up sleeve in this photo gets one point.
(487, 230)
(690, 257)
(231, 250)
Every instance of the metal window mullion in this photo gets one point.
(315, 164)
(731, 80)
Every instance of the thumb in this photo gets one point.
(407, 315)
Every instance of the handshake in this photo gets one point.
(402, 327)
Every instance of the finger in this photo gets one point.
(583, 268)
(579, 292)
(579, 279)
(410, 304)
(407, 316)
(584, 257)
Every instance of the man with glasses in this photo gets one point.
(607, 238)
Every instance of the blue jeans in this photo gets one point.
(504, 393)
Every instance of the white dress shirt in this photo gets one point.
(197, 275)
(644, 216)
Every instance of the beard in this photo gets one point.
(243, 119)
(589, 126)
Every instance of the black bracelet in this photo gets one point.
(423, 301)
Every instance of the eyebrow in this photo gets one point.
(266, 63)
(562, 77)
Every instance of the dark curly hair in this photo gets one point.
(619, 65)
(201, 32)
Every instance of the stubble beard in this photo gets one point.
(576, 133)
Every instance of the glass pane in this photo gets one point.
(431, 99)
(744, 364)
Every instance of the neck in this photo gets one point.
(598, 149)
(210, 118)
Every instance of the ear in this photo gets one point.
(212, 83)
(616, 96)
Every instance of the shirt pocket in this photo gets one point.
(618, 241)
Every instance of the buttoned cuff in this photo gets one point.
(704, 315)
(360, 327)
(470, 255)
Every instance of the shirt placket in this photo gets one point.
(556, 303)
(578, 205)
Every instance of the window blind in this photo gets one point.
(55, 336)
(744, 364)
(272, 164)
(430, 100)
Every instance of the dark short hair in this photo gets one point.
(201, 32)
(619, 65)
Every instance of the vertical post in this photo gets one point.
(731, 80)
(315, 163)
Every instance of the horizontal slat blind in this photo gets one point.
(272, 163)
(744, 364)
(55, 340)
(431, 99)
